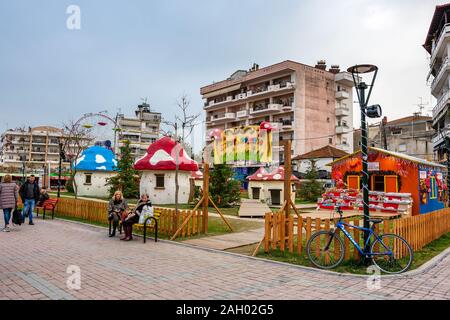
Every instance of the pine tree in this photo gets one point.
(224, 190)
(125, 180)
(312, 189)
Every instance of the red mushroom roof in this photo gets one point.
(162, 156)
(197, 175)
(275, 175)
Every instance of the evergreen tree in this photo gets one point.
(311, 189)
(224, 190)
(125, 180)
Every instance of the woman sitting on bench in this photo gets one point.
(117, 206)
(143, 205)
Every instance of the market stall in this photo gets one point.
(394, 180)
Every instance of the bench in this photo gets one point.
(49, 204)
(150, 222)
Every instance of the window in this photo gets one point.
(396, 132)
(402, 148)
(330, 140)
(159, 181)
(378, 183)
(88, 178)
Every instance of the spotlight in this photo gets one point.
(374, 111)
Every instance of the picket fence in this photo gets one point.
(96, 212)
(292, 233)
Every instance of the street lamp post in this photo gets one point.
(371, 112)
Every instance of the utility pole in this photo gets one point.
(383, 132)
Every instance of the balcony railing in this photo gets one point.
(441, 103)
(438, 43)
(271, 107)
(341, 95)
(440, 72)
(242, 113)
(342, 112)
(342, 128)
(223, 116)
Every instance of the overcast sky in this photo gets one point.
(126, 50)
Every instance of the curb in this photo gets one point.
(433, 262)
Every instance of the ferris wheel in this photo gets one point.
(98, 128)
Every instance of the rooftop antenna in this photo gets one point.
(421, 106)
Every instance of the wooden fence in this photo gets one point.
(96, 211)
(282, 233)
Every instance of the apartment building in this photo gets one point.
(141, 130)
(412, 135)
(36, 149)
(311, 106)
(437, 44)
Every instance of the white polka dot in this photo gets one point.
(100, 159)
(277, 176)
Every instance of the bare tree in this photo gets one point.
(75, 140)
(186, 123)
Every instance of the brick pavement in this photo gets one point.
(34, 260)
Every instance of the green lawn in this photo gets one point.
(420, 257)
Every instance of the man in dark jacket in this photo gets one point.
(29, 192)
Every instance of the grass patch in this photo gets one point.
(420, 257)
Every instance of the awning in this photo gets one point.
(222, 91)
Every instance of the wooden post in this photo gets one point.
(205, 197)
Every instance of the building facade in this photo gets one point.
(311, 106)
(140, 131)
(411, 135)
(437, 44)
(35, 149)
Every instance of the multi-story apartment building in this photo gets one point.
(411, 135)
(311, 106)
(140, 131)
(437, 44)
(36, 149)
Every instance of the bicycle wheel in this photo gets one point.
(394, 255)
(325, 258)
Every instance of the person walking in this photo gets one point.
(143, 205)
(29, 192)
(8, 199)
(116, 208)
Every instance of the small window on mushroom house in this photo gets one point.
(159, 181)
(88, 178)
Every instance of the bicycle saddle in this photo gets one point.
(376, 221)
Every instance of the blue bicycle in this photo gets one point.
(389, 252)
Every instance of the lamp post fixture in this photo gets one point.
(371, 112)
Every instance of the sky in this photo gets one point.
(160, 50)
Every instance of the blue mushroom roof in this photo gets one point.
(96, 159)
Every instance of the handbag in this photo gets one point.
(17, 216)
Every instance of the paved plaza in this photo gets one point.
(34, 262)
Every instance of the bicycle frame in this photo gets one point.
(341, 226)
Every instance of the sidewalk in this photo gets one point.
(229, 241)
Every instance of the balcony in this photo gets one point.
(345, 79)
(439, 138)
(242, 113)
(287, 125)
(440, 105)
(287, 107)
(342, 128)
(223, 117)
(271, 107)
(342, 112)
(341, 95)
(440, 76)
(438, 49)
(343, 146)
